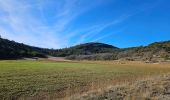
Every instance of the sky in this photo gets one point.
(64, 23)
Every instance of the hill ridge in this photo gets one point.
(89, 51)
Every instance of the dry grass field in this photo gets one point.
(150, 88)
(50, 80)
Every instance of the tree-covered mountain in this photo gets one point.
(158, 51)
(13, 50)
(89, 51)
(86, 49)
(153, 52)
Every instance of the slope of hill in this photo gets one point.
(158, 51)
(86, 49)
(13, 50)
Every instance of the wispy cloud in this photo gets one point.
(47, 23)
(21, 25)
(107, 35)
(28, 22)
(98, 29)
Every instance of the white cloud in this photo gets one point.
(26, 22)
(22, 25)
(45, 23)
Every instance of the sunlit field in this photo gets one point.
(51, 80)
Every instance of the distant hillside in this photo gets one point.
(86, 49)
(13, 50)
(158, 51)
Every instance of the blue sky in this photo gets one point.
(64, 23)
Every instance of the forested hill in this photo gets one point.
(13, 50)
(158, 51)
(86, 49)
(89, 51)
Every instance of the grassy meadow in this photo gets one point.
(48, 80)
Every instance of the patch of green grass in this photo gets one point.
(32, 79)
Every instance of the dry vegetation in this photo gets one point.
(150, 88)
(48, 80)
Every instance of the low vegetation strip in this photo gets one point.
(151, 88)
(48, 80)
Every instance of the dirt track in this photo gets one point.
(57, 59)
